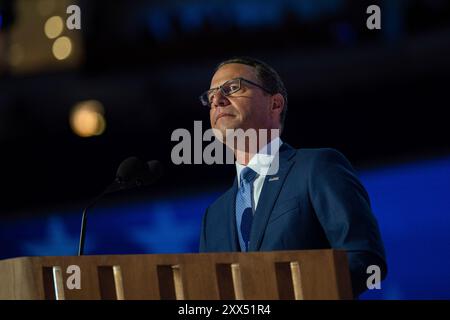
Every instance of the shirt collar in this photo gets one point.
(261, 161)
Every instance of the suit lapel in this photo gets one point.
(269, 194)
(230, 208)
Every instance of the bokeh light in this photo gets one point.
(87, 119)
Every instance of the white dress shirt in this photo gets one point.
(260, 163)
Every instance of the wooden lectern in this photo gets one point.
(309, 274)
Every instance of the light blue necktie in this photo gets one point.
(244, 208)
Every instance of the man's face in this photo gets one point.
(250, 107)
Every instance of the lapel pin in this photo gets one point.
(274, 178)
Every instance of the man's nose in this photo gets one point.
(219, 100)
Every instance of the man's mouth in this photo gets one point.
(221, 115)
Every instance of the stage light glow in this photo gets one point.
(53, 27)
(62, 48)
(87, 119)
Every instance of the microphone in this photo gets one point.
(132, 173)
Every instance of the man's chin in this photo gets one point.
(221, 132)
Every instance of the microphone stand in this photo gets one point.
(111, 188)
(124, 180)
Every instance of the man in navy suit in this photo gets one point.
(312, 200)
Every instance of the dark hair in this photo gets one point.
(268, 78)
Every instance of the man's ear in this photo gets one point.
(277, 103)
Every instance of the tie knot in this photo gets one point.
(248, 175)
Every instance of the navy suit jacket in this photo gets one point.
(317, 203)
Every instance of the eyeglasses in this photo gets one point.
(226, 89)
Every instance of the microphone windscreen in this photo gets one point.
(130, 169)
(155, 170)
